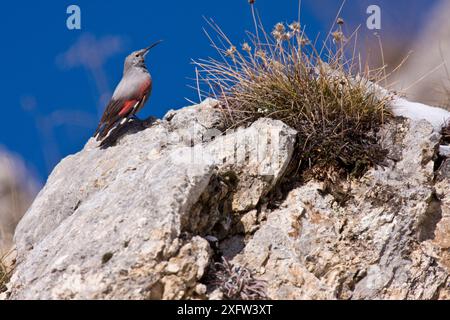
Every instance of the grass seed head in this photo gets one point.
(246, 47)
(338, 36)
(231, 51)
(295, 27)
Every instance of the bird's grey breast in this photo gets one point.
(132, 83)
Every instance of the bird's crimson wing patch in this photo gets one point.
(119, 109)
(127, 107)
(110, 117)
(116, 111)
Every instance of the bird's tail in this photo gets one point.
(104, 130)
(98, 130)
(105, 127)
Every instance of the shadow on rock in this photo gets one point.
(132, 126)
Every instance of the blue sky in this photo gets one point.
(56, 81)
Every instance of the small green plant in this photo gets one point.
(320, 93)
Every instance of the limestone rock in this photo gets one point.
(121, 222)
(389, 242)
(147, 217)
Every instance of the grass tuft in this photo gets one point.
(322, 94)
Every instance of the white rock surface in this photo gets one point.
(135, 221)
(415, 111)
(382, 245)
(112, 223)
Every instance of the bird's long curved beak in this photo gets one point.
(146, 50)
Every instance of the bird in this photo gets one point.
(130, 95)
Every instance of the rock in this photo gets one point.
(147, 218)
(250, 162)
(125, 222)
(200, 123)
(17, 190)
(377, 247)
(440, 243)
(258, 156)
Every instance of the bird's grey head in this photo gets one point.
(137, 58)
